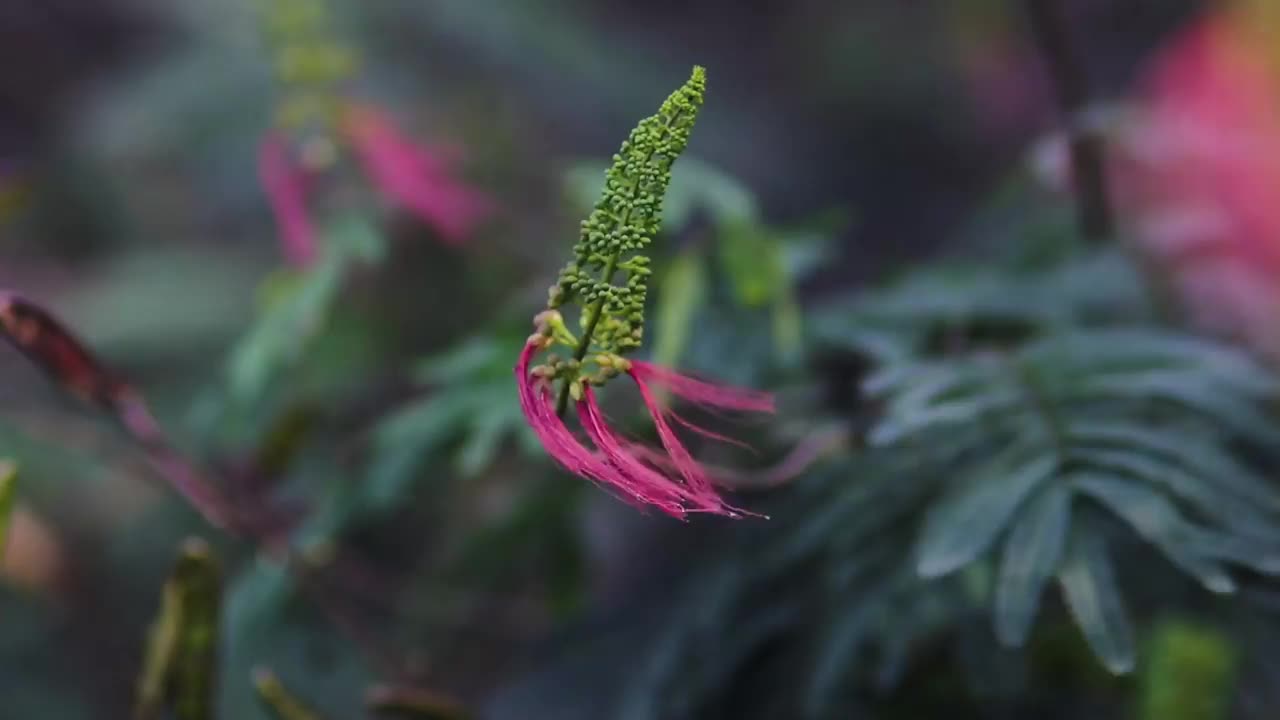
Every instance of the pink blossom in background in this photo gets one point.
(1194, 167)
(286, 187)
(419, 180)
(667, 478)
(1199, 173)
(415, 178)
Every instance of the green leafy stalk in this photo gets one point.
(615, 235)
(179, 669)
(8, 481)
(277, 698)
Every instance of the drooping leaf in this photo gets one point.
(1191, 453)
(973, 409)
(1089, 586)
(1202, 496)
(1192, 392)
(682, 292)
(1157, 520)
(1031, 555)
(963, 525)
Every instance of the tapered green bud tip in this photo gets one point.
(699, 76)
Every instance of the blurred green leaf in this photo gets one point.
(1032, 552)
(1089, 586)
(681, 294)
(962, 526)
(1154, 517)
(296, 306)
(8, 497)
(753, 260)
(460, 362)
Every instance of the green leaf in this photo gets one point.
(458, 363)
(8, 482)
(1156, 519)
(1089, 587)
(969, 410)
(1261, 556)
(683, 290)
(1139, 350)
(1189, 390)
(753, 261)
(1243, 518)
(297, 308)
(1190, 452)
(402, 442)
(960, 527)
(696, 185)
(484, 438)
(1031, 556)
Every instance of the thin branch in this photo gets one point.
(1071, 85)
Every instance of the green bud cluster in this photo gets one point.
(623, 223)
(310, 63)
(612, 242)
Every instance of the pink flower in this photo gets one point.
(286, 187)
(415, 178)
(667, 478)
(418, 180)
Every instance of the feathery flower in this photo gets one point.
(1196, 165)
(320, 122)
(613, 239)
(416, 178)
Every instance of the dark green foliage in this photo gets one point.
(1025, 429)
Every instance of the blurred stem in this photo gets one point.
(179, 670)
(1071, 85)
(277, 698)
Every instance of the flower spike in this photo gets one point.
(607, 282)
(321, 124)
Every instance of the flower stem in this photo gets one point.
(1070, 84)
(584, 344)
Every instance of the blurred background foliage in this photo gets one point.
(1009, 477)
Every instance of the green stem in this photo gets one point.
(584, 344)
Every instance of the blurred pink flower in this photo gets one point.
(1200, 174)
(1194, 169)
(286, 187)
(667, 478)
(415, 178)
